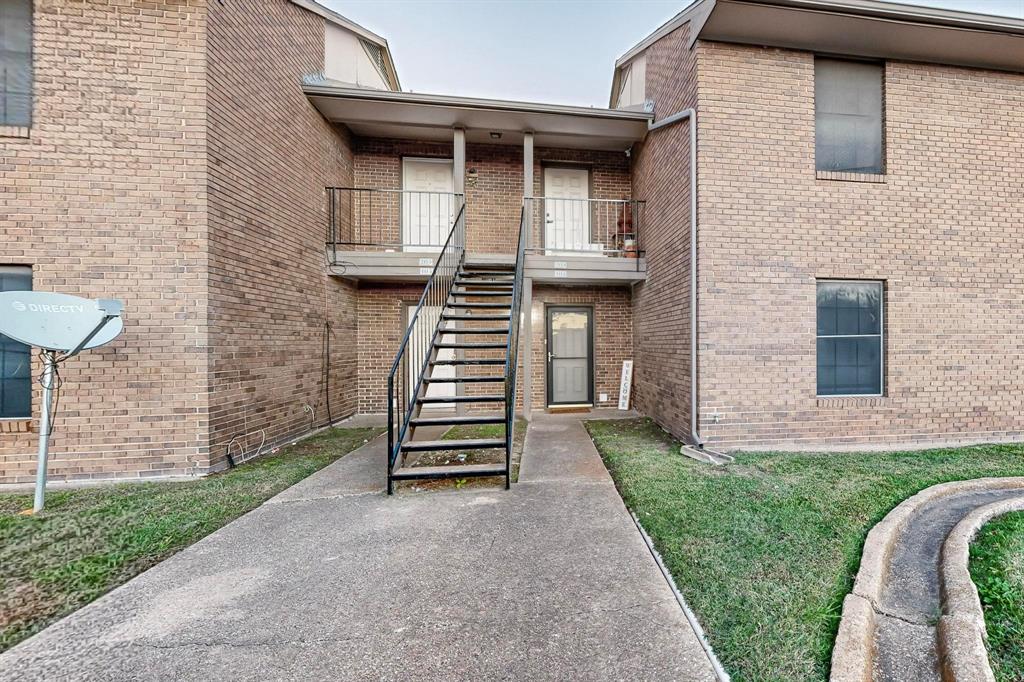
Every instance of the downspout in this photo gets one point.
(691, 116)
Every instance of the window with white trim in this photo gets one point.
(850, 332)
(848, 101)
(15, 357)
(16, 63)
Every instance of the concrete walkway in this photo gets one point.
(334, 580)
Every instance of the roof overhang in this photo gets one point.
(376, 113)
(861, 28)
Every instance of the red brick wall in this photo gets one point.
(661, 176)
(107, 198)
(943, 231)
(494, 192)
(381, 328)
(271, 155)
(613, 336)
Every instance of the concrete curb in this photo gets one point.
(961, 631)
(854, 652)
(720, 674)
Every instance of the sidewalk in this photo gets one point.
(334, 580)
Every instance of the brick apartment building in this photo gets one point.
(855, 206)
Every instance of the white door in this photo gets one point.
(425, 325)
(566, 209)
(427, 205)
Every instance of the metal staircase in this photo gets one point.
(470, 315)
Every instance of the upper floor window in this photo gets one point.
(848, 100)
(16, 63)
(15, 357)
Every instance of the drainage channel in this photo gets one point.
(900, 586)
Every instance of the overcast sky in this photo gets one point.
(559, 51)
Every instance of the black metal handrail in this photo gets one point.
(373, 218)
(512, 350)
(414, 353)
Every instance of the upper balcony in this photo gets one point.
(416, 158)
(392, 235)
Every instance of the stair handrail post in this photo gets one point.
(512, 349)
(435, 292)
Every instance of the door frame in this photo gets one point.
(548, 376)
(403, 218)
(545, 166)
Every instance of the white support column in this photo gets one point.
(527, 302)
(528, 165)
(527, 350)
(459, 187)
(458, 160)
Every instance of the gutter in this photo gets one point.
(691, 116)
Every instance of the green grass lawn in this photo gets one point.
(765, 549)
(997, 567)
(90, 540)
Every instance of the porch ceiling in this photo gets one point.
(373, 113)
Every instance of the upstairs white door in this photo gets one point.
(427, 205)
(424, 328)
(566, 209)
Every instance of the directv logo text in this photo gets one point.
(46, 308)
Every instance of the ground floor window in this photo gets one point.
(15, 357)
(850, 329)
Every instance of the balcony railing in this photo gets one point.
(390, 219)
(598, 227)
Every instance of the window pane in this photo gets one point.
(849, 338)
(849, 308)
(848, 115)
(15, 62)
(15, 358)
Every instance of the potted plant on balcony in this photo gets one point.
(626, 237)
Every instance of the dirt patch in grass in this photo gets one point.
(90, 540)
(483, 456)
(997, 568)
(765, 549)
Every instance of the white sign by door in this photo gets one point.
(625, 384)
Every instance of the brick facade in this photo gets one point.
(155, 173)
(942, 230)
(174, 162)
(612, 332)
(271, 297)
(107, 197)
(661, 305)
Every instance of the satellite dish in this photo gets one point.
(62, 326)
(58, 321)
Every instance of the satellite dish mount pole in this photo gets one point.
(45, 421)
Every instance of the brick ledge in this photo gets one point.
(853, 401)
(876, 178)
(15, 425)
(14, 131)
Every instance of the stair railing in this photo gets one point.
(512, 350)
(405, 380)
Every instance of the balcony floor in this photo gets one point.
(551, 268)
